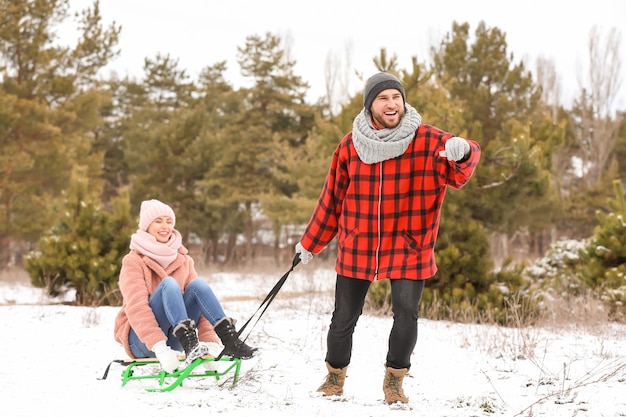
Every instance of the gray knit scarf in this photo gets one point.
(377, 145)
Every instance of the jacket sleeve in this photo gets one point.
(134, 283)
(459, 173)
(323, 225)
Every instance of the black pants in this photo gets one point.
(349, 300)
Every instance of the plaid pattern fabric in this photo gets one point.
(386, 215)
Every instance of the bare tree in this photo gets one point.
(605, 67)
(331, 74)
(550, 84)
(597, 129)
(337, 79)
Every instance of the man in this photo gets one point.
(382, 200)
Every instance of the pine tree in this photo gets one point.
(83, 251)
(50, 102)
(494, 101)
(603, 261)
(274, 120)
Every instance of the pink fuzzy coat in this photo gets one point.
(139, 276)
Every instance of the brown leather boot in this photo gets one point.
(334, 381)
(392, 386)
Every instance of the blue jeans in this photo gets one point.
(171, 306)
(349, 300)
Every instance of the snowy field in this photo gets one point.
(53, 354)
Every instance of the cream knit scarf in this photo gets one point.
(163, 253)
(377, 145)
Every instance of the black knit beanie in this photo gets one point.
(377, 83)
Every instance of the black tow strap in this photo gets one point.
(266, 303)
(106, 371)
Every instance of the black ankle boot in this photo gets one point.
(232, 345)
(185, 332)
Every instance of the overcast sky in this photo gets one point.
(203, 32)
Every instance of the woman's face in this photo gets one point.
(161, 228)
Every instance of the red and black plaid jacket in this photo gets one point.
(386, 215)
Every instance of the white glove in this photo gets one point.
(456, 149)
(214, 350)
(305, 255)
(166, 356)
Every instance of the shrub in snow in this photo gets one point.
(83, 251)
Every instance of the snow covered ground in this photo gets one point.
(53, 354)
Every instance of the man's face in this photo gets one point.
(388, 108)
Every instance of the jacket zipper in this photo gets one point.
(380, 200)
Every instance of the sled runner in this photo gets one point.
(169, 381)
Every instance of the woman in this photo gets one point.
(163, 299)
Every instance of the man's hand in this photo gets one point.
(305, 255)
(456, 149)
